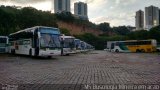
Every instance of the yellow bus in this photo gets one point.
(133, 46)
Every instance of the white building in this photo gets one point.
(81, 10)
(151, 17)
(139, 20)
(62, 5)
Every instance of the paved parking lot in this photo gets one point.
(71, 72)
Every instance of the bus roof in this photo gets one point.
(30, 29)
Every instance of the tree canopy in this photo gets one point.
(14, 19)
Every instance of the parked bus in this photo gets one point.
(132, 46)
(3, 44)
(68, 45)
(83, 46)
(36, 41)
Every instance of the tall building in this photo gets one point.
(61, 5)
(151, 17)
(81, 10)
(139, 20)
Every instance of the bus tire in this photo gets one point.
(117, 50)
(30, 52)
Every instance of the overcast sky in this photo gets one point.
(116, 12)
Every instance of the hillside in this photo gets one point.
(75, 29)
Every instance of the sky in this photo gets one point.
(115, 12)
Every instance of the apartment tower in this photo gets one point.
(151, 17)
(139, 20)
(81, 10)
(61, 5)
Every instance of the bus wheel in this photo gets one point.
(30, 52)
(117, 50)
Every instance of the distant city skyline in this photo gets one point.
(147, 19)
(115, 12)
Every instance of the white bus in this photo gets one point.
(36, 41)
(68, 45)
(83, 46)
(3, 44)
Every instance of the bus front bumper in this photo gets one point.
(50, 53)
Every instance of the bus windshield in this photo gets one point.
(49, 38)
(83, 45)
(69, 42)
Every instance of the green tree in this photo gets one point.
(155, 33)
(65, 16)
(13, 19)
(7, 20)
(139, 35)
(104, 27)
(121, 30)
(65, 31)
